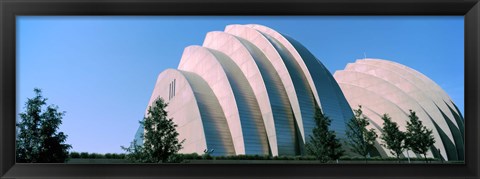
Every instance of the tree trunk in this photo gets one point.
(398, 158)
(426, 161)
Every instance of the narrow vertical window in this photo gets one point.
(174, 86)
(169, 91)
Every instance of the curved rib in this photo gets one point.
(235, 98)
(267, 86)
(293, 80)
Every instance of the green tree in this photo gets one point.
(160, 138)
(393, 138)
(38, 140)
(360, 139)
(323, 143)
(419, 139)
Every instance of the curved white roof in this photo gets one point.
(400, 87)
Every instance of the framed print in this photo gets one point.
(279, 89)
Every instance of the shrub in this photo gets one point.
(207, 157)
(115, 156)
(191, 156)
(94, 155)
(108, 155)
(74, 155)
(176, 158)
(121, 156)
(84, 155)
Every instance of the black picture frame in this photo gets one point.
(470, 9)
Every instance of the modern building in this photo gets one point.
(249, 90)
(252, 90)
(385, 87)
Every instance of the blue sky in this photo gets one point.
(102, 70)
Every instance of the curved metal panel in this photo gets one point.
(201, 61)
(281, 108)
(296, 56)
(304, 91)
(331, 96)
(285, 73)
(215, 125)
(431, 88)
(324, 88)
(254, 132)
(247, 121)
(230, 46)
(434, 86)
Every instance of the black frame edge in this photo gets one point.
(7, 86)
(9, 8)
(472, 50)
(240, 7)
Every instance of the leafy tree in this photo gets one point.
(38, 140)
(323, 143)
(418, 138)
(360, 139)
(160, 137)
(392, 137)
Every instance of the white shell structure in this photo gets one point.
(197, 114)
(252, 90)
(386, 87)
(249, 90)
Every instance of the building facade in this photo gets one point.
(252, 90)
